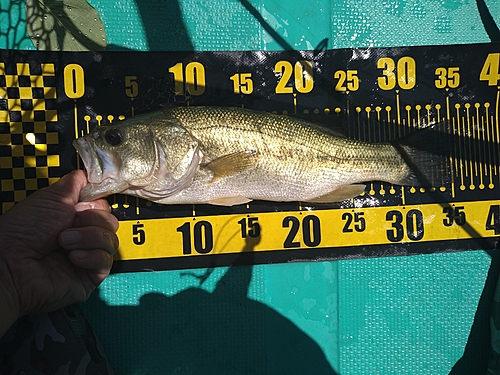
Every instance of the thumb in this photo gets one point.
(67, 189)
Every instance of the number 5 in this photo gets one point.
(131, 86)
(139, 235)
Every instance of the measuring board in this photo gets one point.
(48, 99)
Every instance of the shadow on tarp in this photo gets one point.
(164, 26)
(477, 350)
(198, 332)
(162, 21)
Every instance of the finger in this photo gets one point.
(88, 238)
(97, 263)
(96, 218)
(67, 189)
(98, 204)
(95, 260)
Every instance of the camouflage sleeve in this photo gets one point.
(60, 342)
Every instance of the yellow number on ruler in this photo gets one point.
(388, 81)
(347, 80)
(403, 73)
(490, 72)
(243, 83)
(407, 73)
(193, 77)
(178, 71)
(131, 86)
(285, 69)
(74, 81)
(447, 77)
(453, 77)
(303, 77)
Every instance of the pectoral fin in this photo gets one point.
(231, 164)
(229, 201)
(340, 194)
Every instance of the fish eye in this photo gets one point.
(113, 137)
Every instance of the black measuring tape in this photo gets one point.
(376, 94)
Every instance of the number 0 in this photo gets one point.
(74, 81)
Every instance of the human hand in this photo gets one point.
(54, 251)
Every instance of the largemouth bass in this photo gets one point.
(228, 156)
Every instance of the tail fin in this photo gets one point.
(427, 152)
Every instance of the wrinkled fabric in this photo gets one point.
(57, 343)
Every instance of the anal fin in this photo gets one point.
(339, 194)
(229, 201)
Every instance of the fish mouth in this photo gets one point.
(90, 160)
(100, 164)
(102, 170)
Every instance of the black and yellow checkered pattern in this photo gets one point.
(28, 99)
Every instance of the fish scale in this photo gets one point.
(289, 134)
(228, 156)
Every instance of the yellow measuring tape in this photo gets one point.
(229, 234)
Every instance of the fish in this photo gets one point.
(230, 156)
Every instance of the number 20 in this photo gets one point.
(303, 76)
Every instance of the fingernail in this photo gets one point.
(83, 206)
(71, 237)
(80, 254)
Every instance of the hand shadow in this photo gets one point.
(198, 332)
